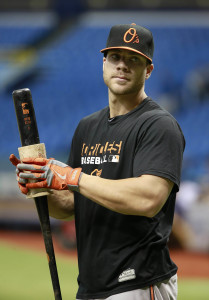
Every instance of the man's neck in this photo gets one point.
(122, 104)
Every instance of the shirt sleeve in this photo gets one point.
(160, 150)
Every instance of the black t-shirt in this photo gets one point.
(116, 252)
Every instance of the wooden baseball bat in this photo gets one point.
(29, 136)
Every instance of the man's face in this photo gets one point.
(125, 71)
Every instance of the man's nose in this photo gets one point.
(122, 64)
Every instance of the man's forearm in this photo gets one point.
(142, 196)
(61, 204)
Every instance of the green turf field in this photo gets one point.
(24, 275)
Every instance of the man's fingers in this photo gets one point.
(34, 165)
(14, 160)
(29, 167)
(36, 161)
(21, 180)
(23, 188)
(32, 175)
(37, 185)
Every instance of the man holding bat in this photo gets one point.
(120, 181)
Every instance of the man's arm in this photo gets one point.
(144, 195)
(61, 204)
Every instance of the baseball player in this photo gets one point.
(120, 181)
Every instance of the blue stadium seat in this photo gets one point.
(69, 84)
(19, 37)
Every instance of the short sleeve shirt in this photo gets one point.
(117, 252)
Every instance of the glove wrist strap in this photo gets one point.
(75, 178)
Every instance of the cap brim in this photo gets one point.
(126, 48)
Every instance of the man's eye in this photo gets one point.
(134, 59)
(115, 57)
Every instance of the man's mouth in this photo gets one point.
(121, 78)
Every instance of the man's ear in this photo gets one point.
(104, 60)
(150, 68)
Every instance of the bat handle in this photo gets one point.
(33, 151)
(43, 213)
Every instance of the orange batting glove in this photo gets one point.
(21, 182)
(49, 173)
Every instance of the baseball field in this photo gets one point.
(25, 275)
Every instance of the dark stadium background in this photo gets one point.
(52, 47)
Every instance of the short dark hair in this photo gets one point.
(105, 53)
(148, 62)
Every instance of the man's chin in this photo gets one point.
(120, 91)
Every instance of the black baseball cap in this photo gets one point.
(131, 37)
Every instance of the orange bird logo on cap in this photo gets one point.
(131, 36)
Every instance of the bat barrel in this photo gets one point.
(26, 118)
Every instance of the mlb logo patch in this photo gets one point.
(113, 158)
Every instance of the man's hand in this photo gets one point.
(48, 173)
(21, 182)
